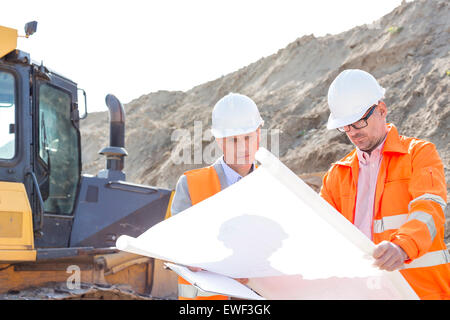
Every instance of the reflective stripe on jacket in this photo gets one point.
(410, 199)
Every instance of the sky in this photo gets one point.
(134, 47)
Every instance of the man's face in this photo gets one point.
(240, 149)
(369, 137)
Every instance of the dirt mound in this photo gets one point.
(407, 50)
(59, 291)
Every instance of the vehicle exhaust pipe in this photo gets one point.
(116, 152)
(116, 121)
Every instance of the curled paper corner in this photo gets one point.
(122, 243)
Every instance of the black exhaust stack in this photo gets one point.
(116, 152)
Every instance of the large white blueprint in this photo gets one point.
(273, 228)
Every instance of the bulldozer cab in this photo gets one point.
(40, 141)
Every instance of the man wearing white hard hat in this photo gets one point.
(390, 186)
(236, 126)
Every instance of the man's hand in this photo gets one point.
(195, 269)
(389, 256)
(242, 280)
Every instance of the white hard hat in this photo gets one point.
(233, 115)
(350, 95)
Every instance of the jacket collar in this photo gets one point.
(393, 141)
(393, 144)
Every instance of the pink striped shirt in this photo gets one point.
(369, 165)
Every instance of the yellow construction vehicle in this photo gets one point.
(58, 227)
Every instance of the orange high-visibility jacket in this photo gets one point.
(202, 184)
(410, 201)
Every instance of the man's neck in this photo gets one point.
(379, 142)
(242, 170)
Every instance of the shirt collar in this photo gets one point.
(231, 175)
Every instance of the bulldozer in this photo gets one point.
(58, 227)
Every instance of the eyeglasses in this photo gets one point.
(361, 123)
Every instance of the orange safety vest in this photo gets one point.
(202, 184)
(410, 200)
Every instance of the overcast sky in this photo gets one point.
(130, 48)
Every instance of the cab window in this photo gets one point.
(7, 116)
(58, 149)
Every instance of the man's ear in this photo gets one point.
(258, 134)
(382, 109)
